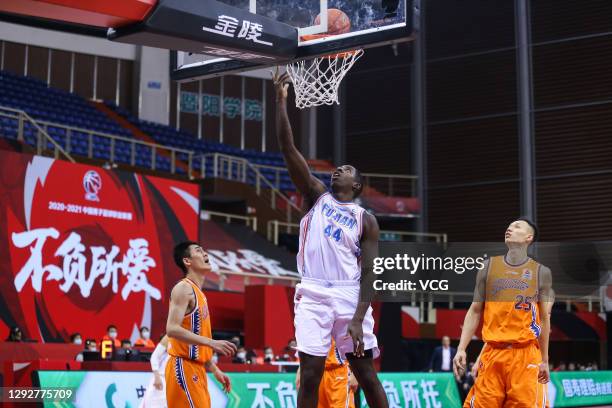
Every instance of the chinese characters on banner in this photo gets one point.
(134, 266)
(228, 26)
(90, 242)
(232, 107)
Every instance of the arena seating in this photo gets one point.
(169, 136)
(57, 106)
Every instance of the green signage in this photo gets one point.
(580, 388)
(431, 390)
(269, 390)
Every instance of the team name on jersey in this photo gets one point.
(344, 217)
(502, 284)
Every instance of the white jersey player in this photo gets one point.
(337, 237)
(155, 395)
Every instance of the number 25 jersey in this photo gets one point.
(511, 311)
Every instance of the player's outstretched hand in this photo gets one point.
(459, 363)
(355, 331)
(223, 379)
(543, 373)
(223, 347)
(281, 83)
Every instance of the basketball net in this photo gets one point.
(317, 81)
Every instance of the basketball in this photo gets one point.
(337, 22)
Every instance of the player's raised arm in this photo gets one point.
(471, 321)
(369, 251)
(299, 172)
(546, 299)
(179, 303)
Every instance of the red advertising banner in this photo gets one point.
(83, 247)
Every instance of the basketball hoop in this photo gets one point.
(316, 81)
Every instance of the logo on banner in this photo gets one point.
(92, 183)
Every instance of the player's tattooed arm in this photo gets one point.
(471, 321)
(369, 251)
(546, 299)
(300, 174)
(180, 298)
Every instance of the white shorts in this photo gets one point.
(323, 310)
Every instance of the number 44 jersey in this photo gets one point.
(330, 235)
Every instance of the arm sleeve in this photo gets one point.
(157, 357)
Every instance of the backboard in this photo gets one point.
(336, 25)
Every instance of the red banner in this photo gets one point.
(85, 247)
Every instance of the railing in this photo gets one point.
(274, 227)
(249, 221)
(240, 169)
(388, 184)
(42, 137)
(224, 166)
(271, 280)
(439, 238)
(424, 300)
(71, 132)
(391, 184)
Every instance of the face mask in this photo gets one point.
(146, 335)
(241, 355)
(78, 341)
(112, 335)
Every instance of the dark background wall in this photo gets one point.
(54, 66)
(472, 116)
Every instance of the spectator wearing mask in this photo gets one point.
(15, 335)
(145, 338)
(76, 338)
(240, 356)
(571, 367)
(268, 354)
(290, 351)
(111, 334)
(90, 345)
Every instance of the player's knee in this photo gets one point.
(368, 380)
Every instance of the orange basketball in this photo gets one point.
(337, 22)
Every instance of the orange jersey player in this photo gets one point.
(191, 345)
(514, 294)
(338, 385)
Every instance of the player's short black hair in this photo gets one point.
(532, 225)
(111, 326)
(144, 327)
(126, 341)
(181, 250)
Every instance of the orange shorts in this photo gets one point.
(508, 378)
(186, 384)
(334, 391)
